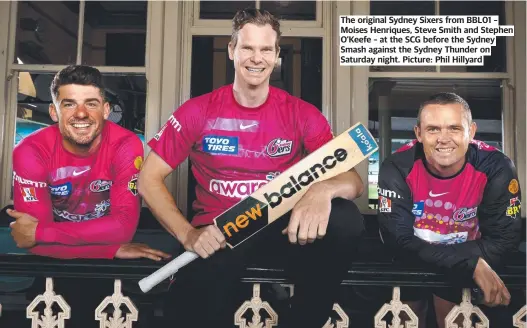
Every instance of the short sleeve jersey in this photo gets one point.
(234, 150)
(79, 200)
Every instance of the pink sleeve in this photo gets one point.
(30, 186)
(120, 224)
(175, 139)
(76, 252)
(316, 131)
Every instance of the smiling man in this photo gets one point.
(74, 182)
(239, 137)
(452, 203)
(74, 188)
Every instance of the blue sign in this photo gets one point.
(220, 145)
(362, 137)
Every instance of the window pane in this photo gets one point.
(496, 62)
(394, 104)
(222, 9)
(126, 94)
(402, 8)
(291, 10)
(115, 33)
(47, 32)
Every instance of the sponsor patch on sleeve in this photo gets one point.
(220, 145)
(132, 185)
(514, 187)
(514, 208)
(385, 204)
(29, 194)
(138, 162)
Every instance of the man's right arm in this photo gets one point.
(171, 146)
(152, 188)
(397, 227)
(31, 196)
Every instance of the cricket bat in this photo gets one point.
(276, 198)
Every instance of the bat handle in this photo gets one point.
(147, 283)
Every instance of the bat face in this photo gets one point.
(279, 196)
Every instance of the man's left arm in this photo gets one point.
(499, 214)
(119, 226)
(310, 216)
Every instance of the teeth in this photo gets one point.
(445, 150)
(255, 70)
(81, 125)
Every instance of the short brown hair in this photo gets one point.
(445, 98)
(257, 17)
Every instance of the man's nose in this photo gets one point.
(81, 111)
(444, 136)
(257, 57)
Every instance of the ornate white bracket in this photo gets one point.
(396, 307)
(48, 320)
(343, 323)
(517, 318)
(255, 304)
(467, 309)
(117, 320)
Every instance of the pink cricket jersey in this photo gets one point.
(86, 206)
(234, 150)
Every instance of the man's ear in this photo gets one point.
(417, 131)
(230, 49)
(106, 110)
(472, 130)
(53, 113)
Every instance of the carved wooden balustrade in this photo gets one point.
(371, 293)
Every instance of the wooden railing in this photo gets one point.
(370, 291)
(364, 277)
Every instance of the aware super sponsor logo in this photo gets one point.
(235, 189)
(220, 145)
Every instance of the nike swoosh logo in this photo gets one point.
(436, 195)
(244, 127)
(75, 173)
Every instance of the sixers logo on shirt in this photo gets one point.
(100, 185)
(465, 214)
(220, 145)
(279, 147)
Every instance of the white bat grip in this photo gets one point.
(166, 271)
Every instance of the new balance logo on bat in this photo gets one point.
(256, 217)
(305, 178)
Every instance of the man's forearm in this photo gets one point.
(164, 208)
(347, 185)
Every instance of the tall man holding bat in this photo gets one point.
(238, 138)
(452, 203)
